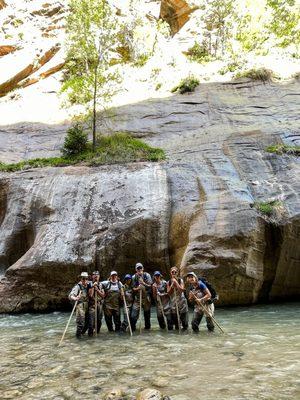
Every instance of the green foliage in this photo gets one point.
(267, 208)
(231, 67)
(75, 141)
(199, 53)
(284, 149)
(285, 23)
(187, 85)
(218, 23)
(141, 60)
(92, 39)
(158, 86)
(117, 148)
(258, 74)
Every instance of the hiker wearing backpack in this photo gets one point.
(79, 294)
(96, 295)
(162, 301)
(178, 302)
(200, 296)
(141, 281)
(112, 288)
(128, 293)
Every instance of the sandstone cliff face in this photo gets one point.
(196, 210)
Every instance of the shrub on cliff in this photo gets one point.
(75, 141)
(118, 148)
(257, 74)
(187, 85)
(284, 149)
(199, 53)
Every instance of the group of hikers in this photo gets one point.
(94, 298)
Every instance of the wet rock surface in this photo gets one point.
(196, 210)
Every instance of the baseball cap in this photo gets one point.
(127, 276)
(84, 275)
(157, 273)
(113, 273)
(96, 273)
(192, 274)
(139, 266)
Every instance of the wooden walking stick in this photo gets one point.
(68, 323)
(162, 310)
(140, 311)
(126, 311)
(206, 312)
(177, 311)
(96, 313)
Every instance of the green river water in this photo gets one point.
(257, 358)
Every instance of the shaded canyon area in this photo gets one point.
(197, 210)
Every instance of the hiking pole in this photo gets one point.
(162, 310)
(177, 311)
(140, 311)
(126, 311)
(68, 323)
(206, 312)
(96, 313)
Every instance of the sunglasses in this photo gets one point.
(173, 272)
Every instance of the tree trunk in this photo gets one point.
(94, 109)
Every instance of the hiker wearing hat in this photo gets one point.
(96, 296)
(179, 306)
(79, 293)
(162, 300)
(200, 296)
(112, 288)
(141, 282)
(128, 293)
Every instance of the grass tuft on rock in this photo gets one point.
(257, 74)
(267, 208)
(284, 149)
(187, 85)
(118, 148)
(199, 53)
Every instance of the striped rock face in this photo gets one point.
(198, 210)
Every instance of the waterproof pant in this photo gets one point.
(183, 317)
(81, 318)
(91, 324)
(197, 317)
(135, 313)
(125, 323)
(161, 321)
(112, 316)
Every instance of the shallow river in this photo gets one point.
(257, 358)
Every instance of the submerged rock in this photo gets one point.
(149, 394)
(114, 394)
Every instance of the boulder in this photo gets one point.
(149, 394)
(114, 394)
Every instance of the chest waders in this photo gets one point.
(112, 307)
(81, 311)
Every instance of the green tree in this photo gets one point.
(285, 22)
(217, 25)
(92, 39)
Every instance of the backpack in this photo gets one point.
(213, 292)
